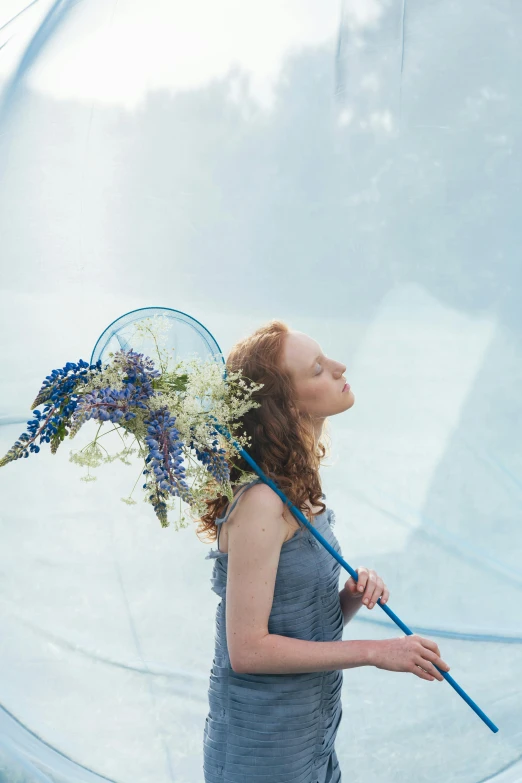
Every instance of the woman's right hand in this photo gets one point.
(412, 653)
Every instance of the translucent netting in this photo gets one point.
(354, 171)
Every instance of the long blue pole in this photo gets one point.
(350, 570)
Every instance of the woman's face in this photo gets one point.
(318, 380)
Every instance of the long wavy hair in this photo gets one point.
(282, 439)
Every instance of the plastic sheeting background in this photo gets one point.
(355, 171)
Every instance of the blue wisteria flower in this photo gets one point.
(171, 414)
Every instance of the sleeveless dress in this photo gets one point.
(279, 728)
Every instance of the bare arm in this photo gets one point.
(255, 536)
(276, 654)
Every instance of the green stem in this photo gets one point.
(149, 330)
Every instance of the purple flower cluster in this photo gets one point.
(165, 460)
(112, 405)
(57, 392)
(213, 458)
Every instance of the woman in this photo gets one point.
(275, 684)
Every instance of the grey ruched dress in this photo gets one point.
(279, 728)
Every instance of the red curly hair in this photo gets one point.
(282, 439)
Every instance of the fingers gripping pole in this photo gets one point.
(350, 570)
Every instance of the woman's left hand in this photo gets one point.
(369, 587)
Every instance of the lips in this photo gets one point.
(346, 387)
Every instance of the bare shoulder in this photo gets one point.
(258, 498)
(262, 494)
(258, 511)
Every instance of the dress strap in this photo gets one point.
(224, 518)
(220, 520)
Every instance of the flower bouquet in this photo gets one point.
(169, 417)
